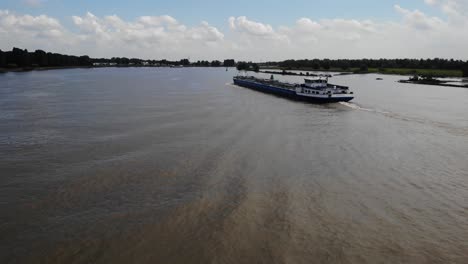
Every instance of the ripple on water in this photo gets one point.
(181, 166)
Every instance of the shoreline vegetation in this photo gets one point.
(388, 71)
(27, 69)
(284, 72)
(19, 60)
(424, 71)
(421, 77)
(431, 81)
(424, 67)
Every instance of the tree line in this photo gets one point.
(39, 58)
(248, 66)
(363, 64)
(164, 62)
(19, 58)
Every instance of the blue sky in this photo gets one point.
(241, 29)
(216, 13)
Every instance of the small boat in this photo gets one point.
(316, 90)
(379, 79)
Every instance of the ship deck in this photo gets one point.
(274, 83)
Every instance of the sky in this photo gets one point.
(242, 30)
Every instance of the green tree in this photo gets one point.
(345, 65)
(185, 62)
(229, 63)
(2, 59)
(40, 58)
(215, 63)
(16, 57)
(242, 66)
(465, 69)
(255, 67)
(84, 61)
(363, 68)
(326, 64)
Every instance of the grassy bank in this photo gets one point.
(423, 72)
(395, 71)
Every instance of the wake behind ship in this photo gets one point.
(313, 90)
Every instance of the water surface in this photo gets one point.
(156, 165)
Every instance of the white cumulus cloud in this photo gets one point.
(162, 35)
(415, 34)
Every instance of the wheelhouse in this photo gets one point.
(316, 83)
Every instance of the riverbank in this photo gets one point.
(391, 71)
(431, 81)
(412, 80)
(26, 69)
(421, 72)
(296, 73)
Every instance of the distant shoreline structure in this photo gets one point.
(385, 71)
(29, 69)
(18, 60)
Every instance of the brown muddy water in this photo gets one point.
(179, 166)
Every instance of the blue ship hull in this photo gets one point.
(291, 94)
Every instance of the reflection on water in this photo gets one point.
(179, 166)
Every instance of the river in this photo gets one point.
(160, 165)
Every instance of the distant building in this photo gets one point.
(104, 64)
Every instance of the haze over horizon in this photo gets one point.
(240, 30)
